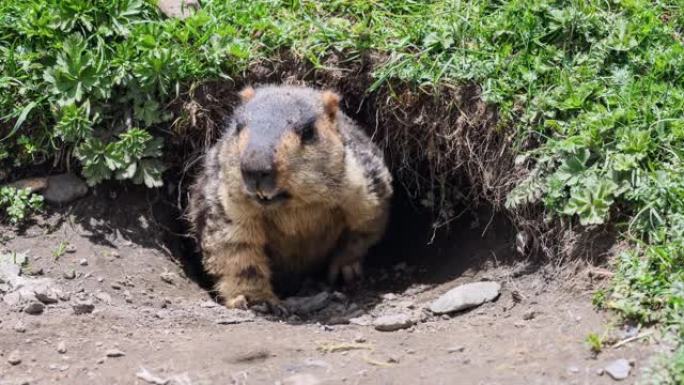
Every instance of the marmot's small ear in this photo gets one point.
(247, 94)
(331, 103)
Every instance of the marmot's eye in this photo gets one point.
(308, 133)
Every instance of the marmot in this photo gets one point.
(292, 185)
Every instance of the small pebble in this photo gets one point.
(618, 369)
(456, 349)
(20, 327)
(115, 353)
(83, 262)
(70, 274)
(61, 348)
(14, 358)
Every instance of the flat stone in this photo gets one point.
(465, 297)
(393, 322)
(64, 188)
(618, 369)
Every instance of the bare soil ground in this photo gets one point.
(167, 327)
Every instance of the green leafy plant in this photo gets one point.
(18, 203)
(595, 343)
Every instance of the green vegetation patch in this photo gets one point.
(597, 87)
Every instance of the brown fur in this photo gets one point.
(338, 187)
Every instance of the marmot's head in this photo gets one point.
(287, 147)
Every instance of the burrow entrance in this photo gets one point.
(422, 245)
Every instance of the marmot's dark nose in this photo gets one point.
(259, 180)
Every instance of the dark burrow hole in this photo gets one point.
(475, 240)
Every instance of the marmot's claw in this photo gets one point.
(266, 305)
(350, 273)
(238, 302)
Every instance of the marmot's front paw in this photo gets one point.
(262, 303)
(350, 272)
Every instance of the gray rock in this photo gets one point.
(48, 294)
(307, 305)
(83, 307)
(69, 274)
(83, 262)
(465, 296)
(34, 308)
(618, 369)
(114, 353)
(61, 347)
(14, 358)
(393, 322)
(178, 8)
(64, 188)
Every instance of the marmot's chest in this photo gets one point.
(299, 239)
